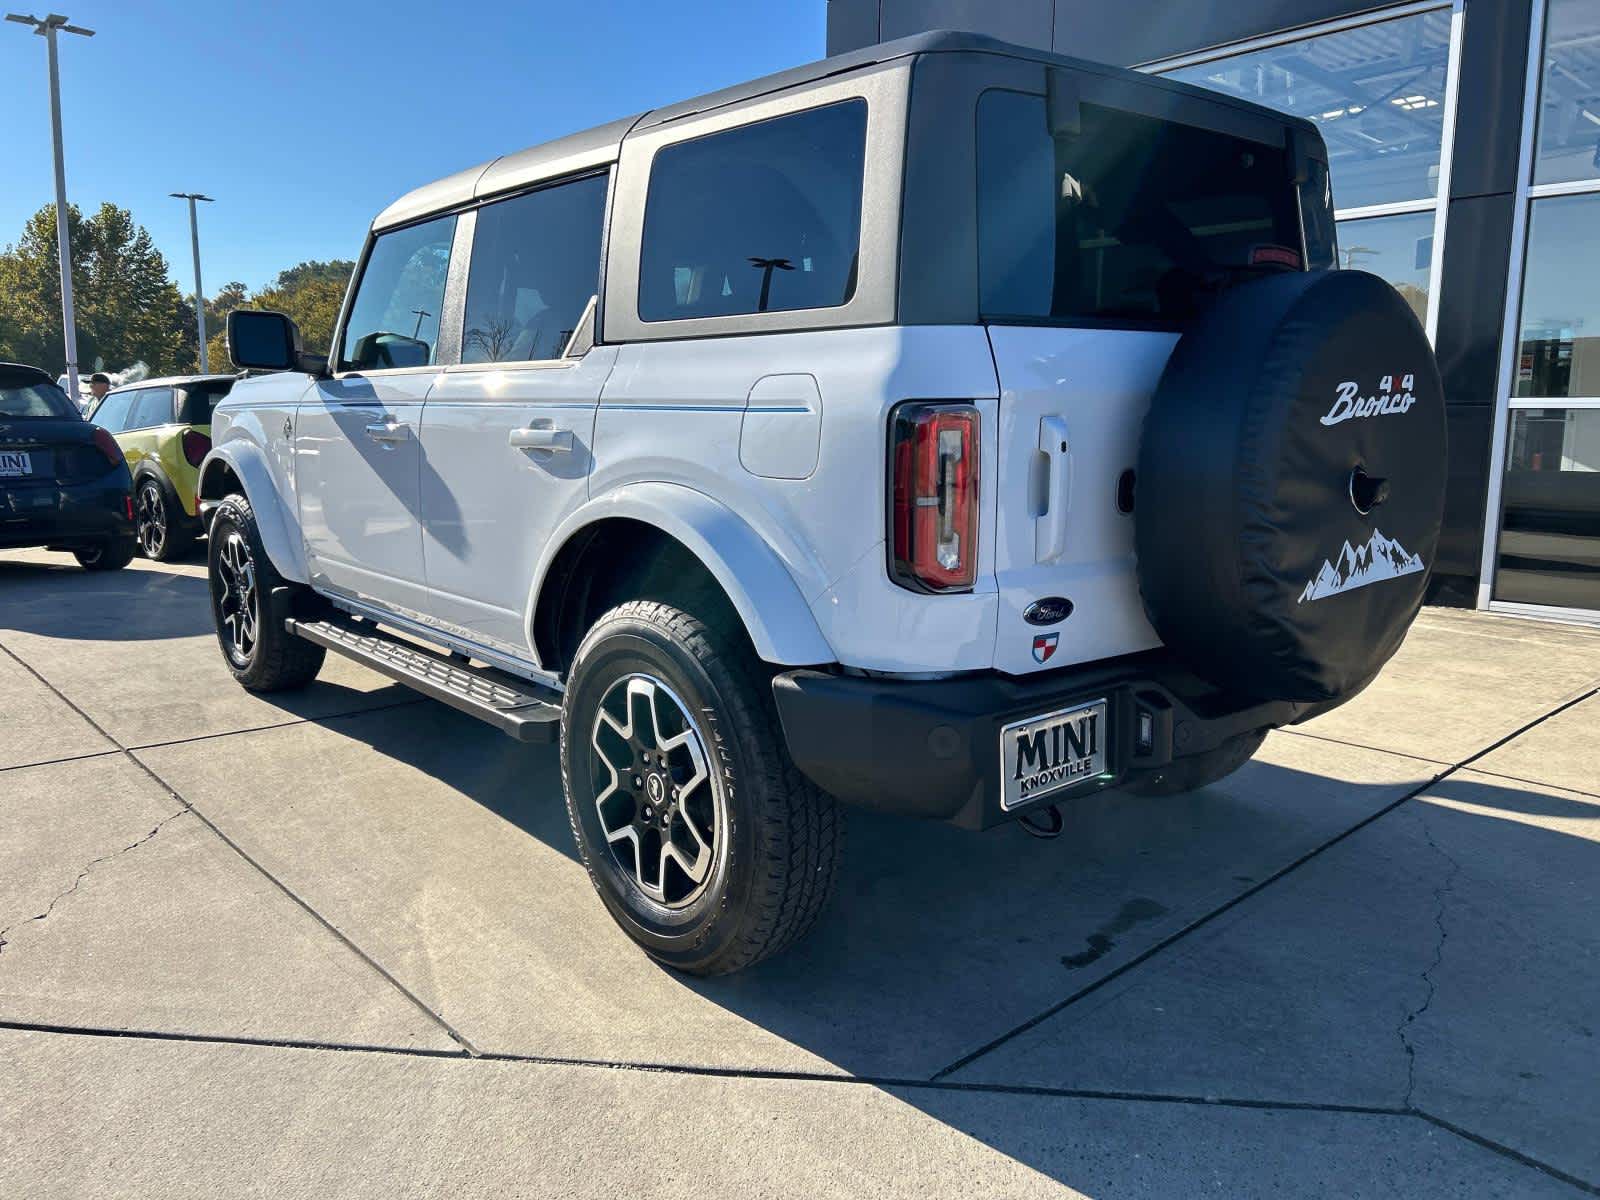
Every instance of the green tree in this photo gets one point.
(128, 307)
(309, 293)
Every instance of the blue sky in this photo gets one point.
(304, 119)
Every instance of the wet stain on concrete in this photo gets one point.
(1101, 942)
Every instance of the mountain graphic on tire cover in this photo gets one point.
(1378, 559)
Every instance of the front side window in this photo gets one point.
(394, 321)
(535, 265)
(112, 413)
(761, 218)
(1130, 218)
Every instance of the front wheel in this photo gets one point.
(259, 651)
(707, 845)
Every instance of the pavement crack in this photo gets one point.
(84, 874)
(1441, 895)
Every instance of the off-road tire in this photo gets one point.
(782, 840)
(275, 660)
(112, 556)
(1198, 770)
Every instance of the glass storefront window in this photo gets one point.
(1376, 92)
(1550, 531)
(1559, 350)
(1569, 94)
(1399, 249)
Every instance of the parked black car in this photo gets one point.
(64, 484)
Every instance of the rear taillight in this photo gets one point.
(107, 445)
(933, 502)
(195, 446)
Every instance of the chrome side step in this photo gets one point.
(512, 705)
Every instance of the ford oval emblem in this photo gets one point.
(1051, 610)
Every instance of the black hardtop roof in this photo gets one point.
(596, 147)
(25, 371)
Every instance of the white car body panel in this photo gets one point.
(490, 508)
(676, 411)
(360, 500)
(1057, 530)
(248, 433)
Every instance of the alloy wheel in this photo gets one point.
(238, 607)
(151, 516)
(661, 810)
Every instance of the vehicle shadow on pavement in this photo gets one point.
(127, 605)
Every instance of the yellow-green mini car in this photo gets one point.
(164, 429)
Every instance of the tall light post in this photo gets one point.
(199, 292)
(47, 29)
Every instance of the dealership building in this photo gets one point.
(1464, 139)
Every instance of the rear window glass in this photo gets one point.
(1131, 218)
(198, 402)
(33, 398)
(762, 218)
(151, 407)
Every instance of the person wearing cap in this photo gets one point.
(99, 385)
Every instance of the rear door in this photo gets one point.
(1098, 243)
(358, 456)
(507, 433)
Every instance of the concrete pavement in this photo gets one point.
(337, 943)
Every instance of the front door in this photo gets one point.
(358, 453)
(506, 435)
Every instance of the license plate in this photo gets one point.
(15, 462)
(1047, 753)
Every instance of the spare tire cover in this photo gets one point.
(1291, 485)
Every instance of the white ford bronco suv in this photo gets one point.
(948, 428)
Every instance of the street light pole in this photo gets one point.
(199, 292)
(46, 28)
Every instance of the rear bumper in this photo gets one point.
(931, 748)
(69, 516)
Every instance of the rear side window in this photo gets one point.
(394, 321)
(762, 218)
(1131, 218)
(151, 407)
(535, 265)
(198, 401)
(33, 398)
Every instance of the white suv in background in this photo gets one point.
(948, 428)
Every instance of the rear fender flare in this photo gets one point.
(749, 571)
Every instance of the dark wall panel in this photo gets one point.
(1461, 543)
(1027, 22)
(1494, 64)
(1472, 296)
(852, 24)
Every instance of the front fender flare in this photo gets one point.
(280, 532)
(763, 592)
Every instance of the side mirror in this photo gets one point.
(268, 341)
(377, 351)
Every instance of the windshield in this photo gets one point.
(1129, 218)
(33, 398)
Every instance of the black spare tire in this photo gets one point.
(1291, 486)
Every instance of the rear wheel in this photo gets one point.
(259, 651)
(112, 556)
(706, 844)
(164, 534)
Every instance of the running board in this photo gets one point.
(510, 704)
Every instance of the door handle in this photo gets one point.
(1050, 527)
(388, 432)
(542, 439)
